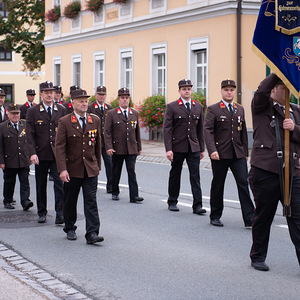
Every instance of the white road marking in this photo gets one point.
(205, 197)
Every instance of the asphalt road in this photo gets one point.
(151, 253)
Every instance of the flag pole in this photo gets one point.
(286, 202)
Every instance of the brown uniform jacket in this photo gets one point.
(69, 107)
(120, 134)
(24, 108)
(41, 131)
(95, 109)
(182, 129)
(77, 150)
(5, 116)
(13, 145)
(264, 152)
(224, 132)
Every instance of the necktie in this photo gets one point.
(125, 114)
(230, 108)
(49, 112)
(101, 108)
(16, 127)
(83, 122)
(188, 107)
(31, 104)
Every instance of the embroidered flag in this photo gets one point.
(276, 40)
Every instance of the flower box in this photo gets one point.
(72, 10)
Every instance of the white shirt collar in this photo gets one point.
(78, 116)
(184, 101)
(46, 106)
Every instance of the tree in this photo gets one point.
(24, 30)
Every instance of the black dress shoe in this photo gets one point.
(94, 238)
(115, 197)
(173, 207)
(216, 222)
(199, 211)
(136, 199)
(9, 206)
(27, 204)
(59, 220)
(260, 265)
(42, 219)
(71, 235)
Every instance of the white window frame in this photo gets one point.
(58, 23)
(161, 9)
(57, 2)
(78, 18)
(76, 58)
(98, 56)
(102, 11)
(124, 54)
(57, 61)
(130, 3)
(195, 45)
(156, 49)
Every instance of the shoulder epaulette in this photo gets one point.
(94, 115)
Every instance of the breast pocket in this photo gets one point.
(223, 123)
(73, 139)
(180, 120)
(41, 127)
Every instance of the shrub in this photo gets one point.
(201, 98)
(152, 112)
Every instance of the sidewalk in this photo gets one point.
(154, 151)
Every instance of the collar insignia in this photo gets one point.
(234, 105)
(130, 111)
(42, 108)
(180, 102)
(73, 119)
(96, 105)
(193, 102)
(105, 106)
(55, 107)
(26, 104)
(69, 105)
(119, 111)
(89, 119)
(222, 105)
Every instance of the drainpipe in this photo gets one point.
(239, 54)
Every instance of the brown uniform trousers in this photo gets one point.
(79, 152)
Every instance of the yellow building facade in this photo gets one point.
(149, 45)
(14, 80)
